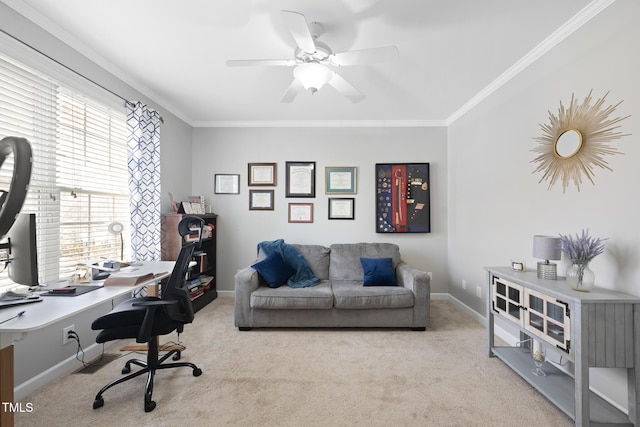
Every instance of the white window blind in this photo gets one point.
(79, 181)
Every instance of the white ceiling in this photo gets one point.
(452, 53)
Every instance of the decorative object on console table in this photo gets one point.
(547, 248)
(581, 251)
(205, 257)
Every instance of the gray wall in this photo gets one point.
(41, 357)
(495, 202)
(222, 150)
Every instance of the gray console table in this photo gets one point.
(600, 328)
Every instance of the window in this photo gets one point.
(79, 181)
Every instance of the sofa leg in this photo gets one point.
(419, 329)
(244, 328)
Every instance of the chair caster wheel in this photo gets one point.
(126, 369)
(197, 372)
(176, 356)
(98, 403)
(149, 405)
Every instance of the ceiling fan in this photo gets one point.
(313, 59)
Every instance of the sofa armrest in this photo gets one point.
(246, 281)
(418, 281)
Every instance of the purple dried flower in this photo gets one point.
(583, 248)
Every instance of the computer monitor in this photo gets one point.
(23, 268)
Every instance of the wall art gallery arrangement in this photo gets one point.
(402, 192)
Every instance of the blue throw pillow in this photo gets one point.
(274, 270)
(378, 271)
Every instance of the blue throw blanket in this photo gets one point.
(303, 277)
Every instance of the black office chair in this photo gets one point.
(145, 318)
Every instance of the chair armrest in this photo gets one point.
(146, 328)
(246, 281)
(418, 281)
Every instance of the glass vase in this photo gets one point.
(580, 277)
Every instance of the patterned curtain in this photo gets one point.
(143, 142)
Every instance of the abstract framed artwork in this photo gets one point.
(403, 198)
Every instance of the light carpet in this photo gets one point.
(310, 377)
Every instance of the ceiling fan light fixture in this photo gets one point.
(312, 75)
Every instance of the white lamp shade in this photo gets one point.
(312, 75)
(547, 248)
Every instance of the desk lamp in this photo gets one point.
(116, 228)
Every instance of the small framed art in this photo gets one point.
(226, 183)
(403, 198)
(340, 179)
(342, 208)
(300, 212)
(262, 174)
(301, 179)
(260, 200)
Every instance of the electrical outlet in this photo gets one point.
(464, 284)
(65, 333)
(478, 291)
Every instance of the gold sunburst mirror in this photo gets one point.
(574, 142)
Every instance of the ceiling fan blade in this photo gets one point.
(299, 29)
(292, 91)
(345, 88)
(269, 62)
(364, 56)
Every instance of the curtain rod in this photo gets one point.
(126, 101)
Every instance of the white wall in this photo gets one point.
(495, 202)
(223, 150)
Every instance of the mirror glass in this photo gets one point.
(568, 143)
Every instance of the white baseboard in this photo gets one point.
(67, 366)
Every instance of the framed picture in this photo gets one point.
(403, 198)
(260, 200)
(262, 174)
(340, 179)
(342, 208)
(300, 212)
(301, 179)
(227, 183)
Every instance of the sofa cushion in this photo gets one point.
(352, 295)
(274, 270)
(317, 257)
(378, 271)
(345, 258)
(283, 298)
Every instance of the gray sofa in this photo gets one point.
(340, 299)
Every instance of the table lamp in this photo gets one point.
(547, 248)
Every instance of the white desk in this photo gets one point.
(54, 309)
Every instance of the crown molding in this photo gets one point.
(321, 123)
(568, 28)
